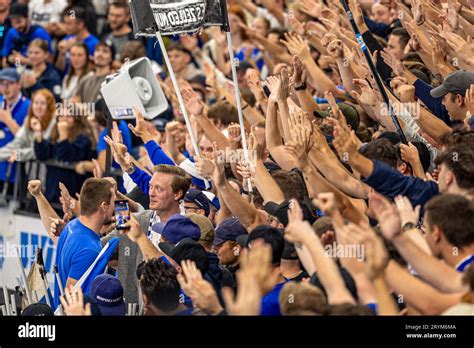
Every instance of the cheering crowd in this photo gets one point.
(342, 205)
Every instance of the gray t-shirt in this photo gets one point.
(89, 88)
(118, 42)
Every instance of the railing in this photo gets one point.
(22, 175)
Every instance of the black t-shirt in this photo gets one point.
(300, 276)
(348, 281)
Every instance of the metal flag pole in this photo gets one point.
(23, 276)
(13, 304)
(7, 300)
(373, 70)
(233, 64)
(180, 98)
(42, 270)
(58, 279)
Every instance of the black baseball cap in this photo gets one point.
(456, 82)
(187, 249)
(280, 211)
(37, 310)
(269, 235)
(18, 10)
(229, 229)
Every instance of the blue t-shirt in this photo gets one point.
(19, 113)
(13, 35)
(78, 247)
(126, 136)
(271, 301)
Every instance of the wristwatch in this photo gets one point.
(131, 169)
(301, 87)
(408, 226)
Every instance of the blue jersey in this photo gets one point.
(13, 36)
(78, 247)
(271, 301)
(19, 113)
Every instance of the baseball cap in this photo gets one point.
(18, 10)
(270, 235)
(229, 229)
(107, 292)
(187, 249)
(9, 74)
(280, 211)
(349, 112)
(177, 228)
(456, 82)
(199, 198)
(37, 310)
(205, 225)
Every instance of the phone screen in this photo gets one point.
(122, 215)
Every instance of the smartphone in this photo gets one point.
(122, 215)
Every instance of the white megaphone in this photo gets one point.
(135, 84)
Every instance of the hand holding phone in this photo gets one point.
(122, 215)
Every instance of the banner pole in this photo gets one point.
(374, 71)
(180, 98)
(23, 276)
(233, 64)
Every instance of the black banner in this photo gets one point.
(175, 17)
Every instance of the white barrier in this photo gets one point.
(18, 232)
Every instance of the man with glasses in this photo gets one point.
(195, 201)
(13, 110)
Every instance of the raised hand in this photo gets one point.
(392, 62)
(469, 100)
(119, 152)
(57, 226)
(248, 300)
(301, 139)
(252, 77)
(336, 49)
(326, 201)
(296, 45)
(205, 167)
(298, 76)
(140, 129)
(73, 302)
(258, 261)
(70, 206)
(283, 91)
(198, 289)
(406, 211)
(345, 143)
(192, 101)
(297, 231)
(34, 188)
(367, 96)
(387, 215)
(409, 153)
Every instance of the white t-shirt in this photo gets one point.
(42, 12)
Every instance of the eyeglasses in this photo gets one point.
(190, 208)
(6, 84)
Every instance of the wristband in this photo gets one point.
(301, 87)
(408, 226)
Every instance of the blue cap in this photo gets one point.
(228, 229)
(197, 197)
(107, 292)
(9, 74)
(177, 228)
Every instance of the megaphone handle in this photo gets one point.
(180, 98)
